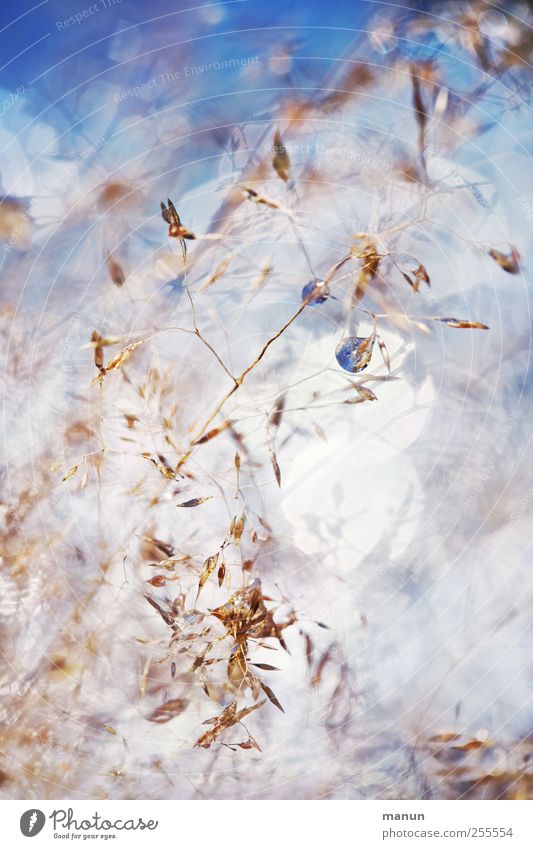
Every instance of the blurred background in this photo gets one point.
(179, 436)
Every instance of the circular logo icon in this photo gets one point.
(32, 822)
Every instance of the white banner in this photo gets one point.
(267, 825)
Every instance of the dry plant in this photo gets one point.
(151, 601)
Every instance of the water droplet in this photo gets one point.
(322, 292)
(354, 353)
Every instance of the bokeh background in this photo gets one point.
(396, 545)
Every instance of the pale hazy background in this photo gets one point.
(403, 524)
